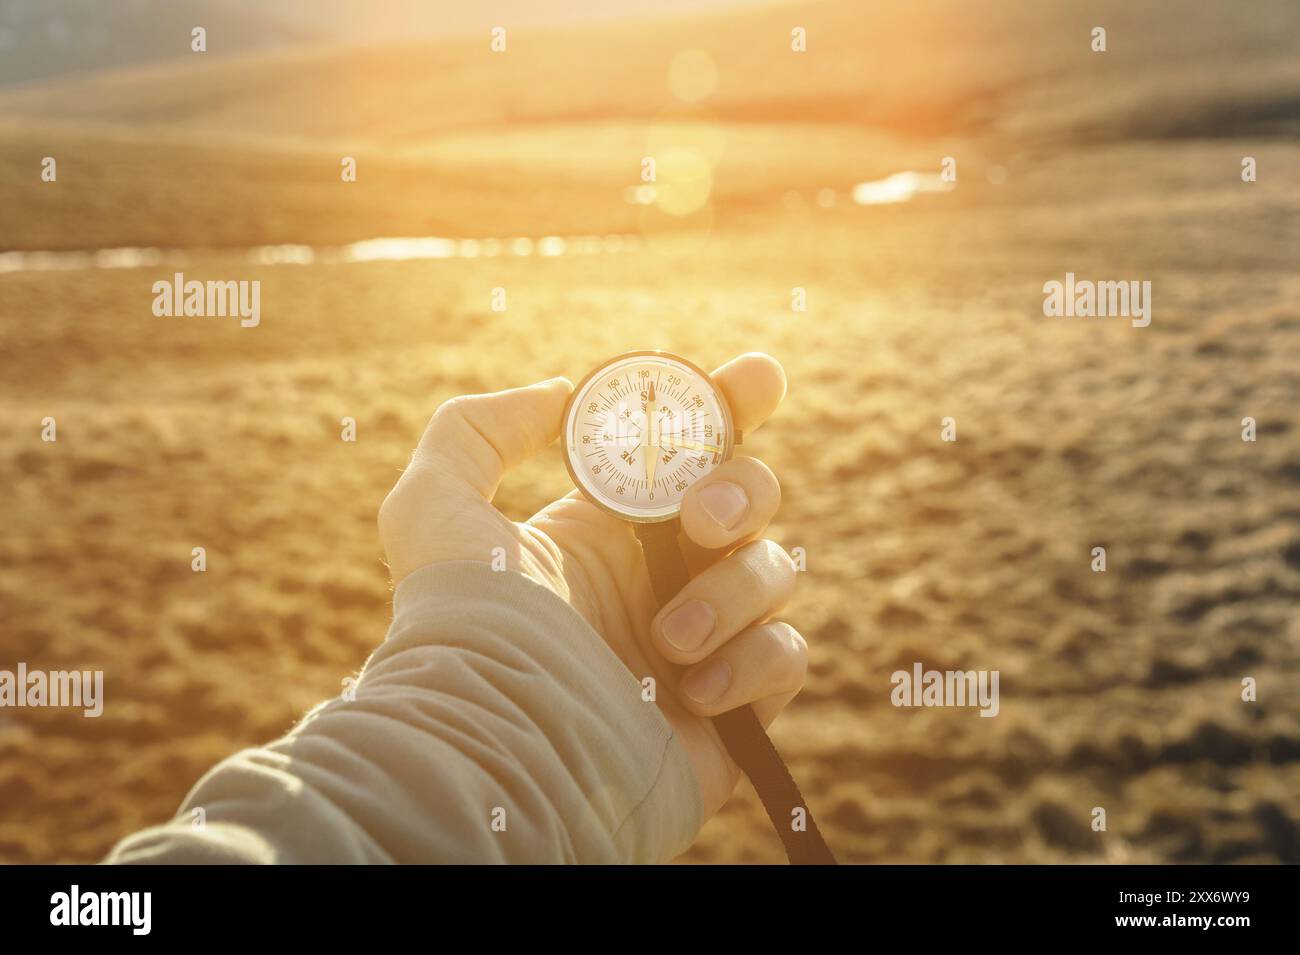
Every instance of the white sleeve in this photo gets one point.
(492, 725)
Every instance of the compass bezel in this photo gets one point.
(728, 444)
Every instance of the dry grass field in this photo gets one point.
(1119, 689)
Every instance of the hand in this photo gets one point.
(719, 626)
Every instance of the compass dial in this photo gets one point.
(641, 429)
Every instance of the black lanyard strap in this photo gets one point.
(741, 732)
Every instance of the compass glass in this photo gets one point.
(641, 429)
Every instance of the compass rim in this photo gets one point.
(723, 406)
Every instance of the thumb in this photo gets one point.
(477, 438)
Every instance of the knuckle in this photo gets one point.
(764, 570)
(793, 649)
(454, 410)
(752, 561)
(769, 560)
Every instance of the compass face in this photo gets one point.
(640, 430)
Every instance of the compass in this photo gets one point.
(638, 433)
(641, 429)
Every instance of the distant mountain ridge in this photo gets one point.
(1021, 69)
(43, 39)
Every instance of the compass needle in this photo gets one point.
(651, 439)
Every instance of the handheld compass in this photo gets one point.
(639, 431)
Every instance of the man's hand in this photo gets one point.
(719, 626)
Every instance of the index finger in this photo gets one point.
(753, 385)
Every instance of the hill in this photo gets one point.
(920, 68)
(42, 39)
(454, 140)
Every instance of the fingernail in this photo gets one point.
(707, 682)
(725, 503)
(687, 627)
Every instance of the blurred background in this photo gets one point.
(775, 170)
